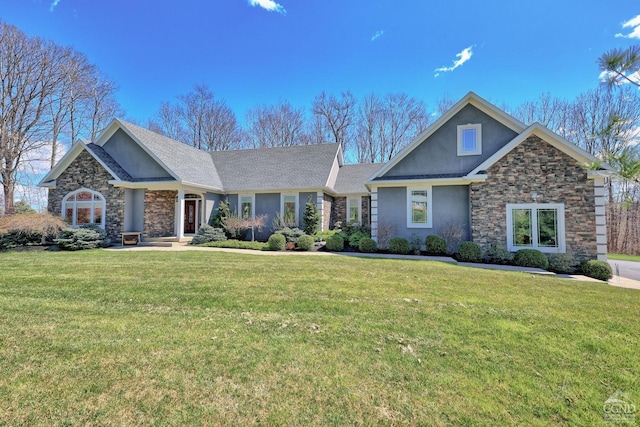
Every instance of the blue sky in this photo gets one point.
(259, 51)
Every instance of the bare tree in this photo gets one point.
(550, 111)
(336, 116)
(386, 125)
(29, 76)
(200, 120)
(278, 125)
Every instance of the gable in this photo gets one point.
(437, 154)
(132, 158)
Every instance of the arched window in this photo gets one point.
(83, 206)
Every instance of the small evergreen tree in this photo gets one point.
(222, 213)
(311, 218)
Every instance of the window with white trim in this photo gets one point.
(247, 203)
(536, 226)
(419, 209)
(83, 207)
(354, 211)
(289, 208)
(469, 140)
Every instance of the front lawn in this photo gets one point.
(211, 338)
(623, 257)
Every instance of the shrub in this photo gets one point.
(279, 222)
(385, 233)
(367, 245)
(600, 270)
(354, 228)
(291, 235)
(335, 243)
(354, 239)
(311, 217)
(86, 237)
(305, 243)
(399, 245)
(469, 252)
(436, 245)
(531, 258)
(222, 213)
(498, 254)
(324, 235)
(29, 229)
(207, 233)
(415, 244)
(453, 233)
(562, 263)
(276, 242)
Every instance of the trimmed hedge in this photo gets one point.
(367, 245)
(436, 245)
(562, 263)
(531, 258)
(354, 239)
(305, 243)
(276, 242)
(498, 254)
(600, 270)
(469, 252)
(399, 245)
(238, 244)
(335, 243)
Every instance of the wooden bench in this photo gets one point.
(131, 237)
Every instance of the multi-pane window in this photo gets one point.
(83, 207)
(290, 208)
(353, 210)
(536, 226)
(419, 207)
(246, 207)
(469, 140)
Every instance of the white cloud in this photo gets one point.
(463, 57)
(269, 5)
(377, 35)
(608, 76)
(633, 23)
(54, 3)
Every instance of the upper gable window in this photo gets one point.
(469, 140)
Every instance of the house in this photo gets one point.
(477, 170)
(480, 171)
(132, 179)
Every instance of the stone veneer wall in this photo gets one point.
(159, 213)
(327, 209)
(536, 166)
(339, 210)
(86, 172)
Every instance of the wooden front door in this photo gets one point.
(190, 216)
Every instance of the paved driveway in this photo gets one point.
(626, 269)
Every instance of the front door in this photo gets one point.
(190, 216)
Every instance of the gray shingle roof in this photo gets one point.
(188, 163)
(351, 178)
(280, 168)
(106, 158)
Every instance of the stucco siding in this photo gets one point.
(438, 153)
(450, 205)
(132, 157)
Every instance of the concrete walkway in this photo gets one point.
(616, 281)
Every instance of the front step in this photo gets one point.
(164, 242)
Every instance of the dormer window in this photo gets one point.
(470, 140)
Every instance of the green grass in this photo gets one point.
(237, 244)
(211, 338)
(623, 257)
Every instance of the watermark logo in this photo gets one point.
(619, 409)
